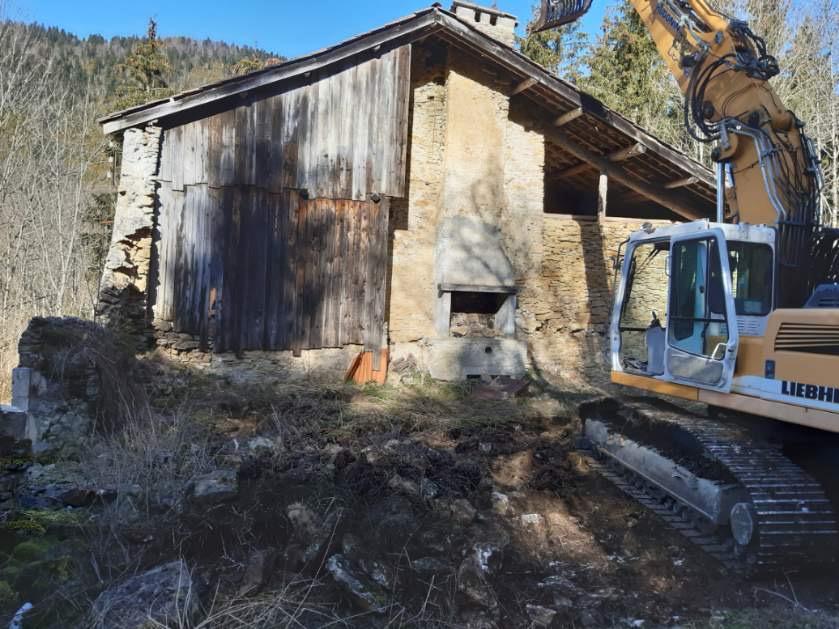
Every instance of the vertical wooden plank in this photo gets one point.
(188, 149)
(273, 113)
(244, 146)
(305, 135)
(290, 138)
(232, 271)
(203, 233)
(288, 313)
(377, 100)
(165, 202)
(345, 106)
(361, 115)
(332, 319)
(165, 170)
(342, 261)
(362, 291)
(177, 156)
(376, 265)
(398, 187)
(275, 272)
(219, 230)
(380, 279)
(314, 272)
(300, 336)
(256, 248)
(322, 150)
(382, 136)
(352, 268)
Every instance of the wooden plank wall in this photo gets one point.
(340, 137)
(268, 238)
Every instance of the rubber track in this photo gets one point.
(795, 522)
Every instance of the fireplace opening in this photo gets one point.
(474, 313)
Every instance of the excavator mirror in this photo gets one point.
(556, 13)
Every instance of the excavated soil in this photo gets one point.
(421, 507)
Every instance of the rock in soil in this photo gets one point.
(427, 566)
(471, 581)
(162, 596)
(361, 589)
(258, 571)
(215, 487)
(541, 616)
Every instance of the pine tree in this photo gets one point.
(626, 73)
(561, 51)
(144, 72)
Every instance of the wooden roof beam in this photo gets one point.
(621, 155)
(523, 86)
(681, 183)
(668, 199)
(628, 153)
(568, 116)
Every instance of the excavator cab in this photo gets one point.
(556, 13)
(685, 294)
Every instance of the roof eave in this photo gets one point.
(149, 112)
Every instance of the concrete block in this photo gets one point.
(21, 386)
(455, 359)
(13, 422)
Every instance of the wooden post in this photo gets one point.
(602, 195)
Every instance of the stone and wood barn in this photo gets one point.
(422, 190)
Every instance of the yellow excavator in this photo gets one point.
(740, 314)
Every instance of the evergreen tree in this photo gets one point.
(144, 72)
(561, 51)
(626, 73)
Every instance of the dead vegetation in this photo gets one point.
(315, 505)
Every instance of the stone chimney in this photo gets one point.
(495, 23)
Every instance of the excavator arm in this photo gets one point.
(766, 164)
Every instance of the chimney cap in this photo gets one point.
(477, 7)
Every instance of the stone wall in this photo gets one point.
(74, 376)
(123, 291)
(469, 157)
(565, 313)
(472, 155)
(412, 291)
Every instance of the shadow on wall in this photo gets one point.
(245, 269)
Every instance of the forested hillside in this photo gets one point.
(621, 67)
(56, 198)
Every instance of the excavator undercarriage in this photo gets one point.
(739, 499)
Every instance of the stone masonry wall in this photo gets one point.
(123, 291)
(468, 157)
(412, 291)
(565, 313)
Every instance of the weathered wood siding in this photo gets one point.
(341, 137)
(245, 259)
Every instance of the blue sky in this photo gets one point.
(287, 27)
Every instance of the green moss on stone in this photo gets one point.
(31, 550)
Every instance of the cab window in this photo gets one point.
(751, 277)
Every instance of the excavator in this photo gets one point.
(727, 329)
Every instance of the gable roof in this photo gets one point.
(595, 134)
